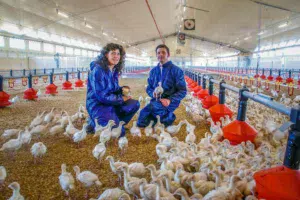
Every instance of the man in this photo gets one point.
(174, 86)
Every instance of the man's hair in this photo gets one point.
(162, 46)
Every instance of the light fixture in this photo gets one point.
(116, 39)
(247, 38)
(62, 14)
(283, 25)
(261, 33)
(105, 34)
(184, 8)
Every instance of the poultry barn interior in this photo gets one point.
(237, 130)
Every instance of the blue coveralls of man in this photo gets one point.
(174, 90)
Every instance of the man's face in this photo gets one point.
(162, 55)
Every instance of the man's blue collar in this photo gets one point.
(167, 64)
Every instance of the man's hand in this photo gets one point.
(165, 102)
(126, 98)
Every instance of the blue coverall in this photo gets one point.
(174, 86)
(104, 98)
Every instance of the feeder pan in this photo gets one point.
(289, 80)
(202, 93)
(278, 183)
(218, 111)
(196, 90)
(51, 89)
(4, 97)
(193, 84)
(279, 79)
(30, 94)
(270, 78)
(239, 131)
(263, 77)
(79, 83)
(210, 101)
(256, 76)
(67, 85)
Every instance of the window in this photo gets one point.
(69, 50)
(60, 49)
(77, 52)
(32, 45)
(16, 43)
(2, 43)
(65, 40)
(95, 54)
(84, 52)
(48, 47)
(90, 53)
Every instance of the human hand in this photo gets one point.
(125, 90)
(126, 98)
(165, 102)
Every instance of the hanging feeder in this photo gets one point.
(67, 85)
(278, 81)
(79, 82)
(204, 92)
(240, 131)
(211, 99)
(283, 182)
(290, 84)
(51, 88)
(4, 97)
(45, 79)
(198, 87)
(11, 83)
(35, 80)
(263, 76)
(30, 93)
(24, 81)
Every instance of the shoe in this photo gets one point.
(89, 129)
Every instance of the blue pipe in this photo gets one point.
(1, 83)
(51, 78)
(67, 76)
(29, 80)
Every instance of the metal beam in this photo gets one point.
(196, 8)
(273, 6)
(194, 37)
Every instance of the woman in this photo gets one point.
(104, 95)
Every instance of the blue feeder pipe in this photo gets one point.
(67, 76)
(1, 83)
(211, 86)
(29, 80)
(51, 78)
(242, 105)
(11, 72)
(78, 75)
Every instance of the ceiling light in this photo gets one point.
(116, 39)
(247, 38)
(261, 33)
(184, 8)
(104, 33)
(62, 14)
(283, 25)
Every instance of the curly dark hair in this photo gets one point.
(103, 61)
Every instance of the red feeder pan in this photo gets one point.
(218, 111)
(289, 80)
(210, 101)
(67, 85)
(196, 90)
(256, 76)
(30, 94)
(51, 89)
(4, 97)
(263, 77)
(79, 83)
(278, 183)
(279, 79)
(202, 93)
(239, 131)
(270, 78)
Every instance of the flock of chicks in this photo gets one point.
(210, 169)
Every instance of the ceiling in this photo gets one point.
(221, 31)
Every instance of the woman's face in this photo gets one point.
(113, 57)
